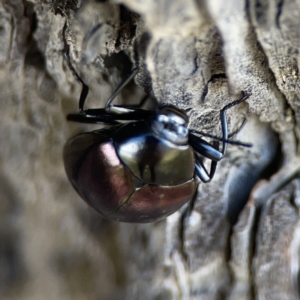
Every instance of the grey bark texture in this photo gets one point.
(239, 238)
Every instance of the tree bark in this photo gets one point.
(239, 237)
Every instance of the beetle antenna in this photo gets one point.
(237, 143)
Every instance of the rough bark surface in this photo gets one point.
(239, 238)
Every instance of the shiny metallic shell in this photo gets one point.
(115, 188)
(153, 159)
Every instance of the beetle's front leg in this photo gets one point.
(208, 151)
(224, 119)
(202, 172)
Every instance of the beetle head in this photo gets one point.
(171, 123)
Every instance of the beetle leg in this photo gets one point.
(213, 165)
(212, 152)
(85, 88)
(204, 148)
(224, 119)
(111, 114)
(202, 172)
(101, 116)
(109, 101)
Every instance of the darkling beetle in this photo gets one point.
(142, 167)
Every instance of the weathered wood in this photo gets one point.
(239, 237)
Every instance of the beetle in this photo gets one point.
(143, 166)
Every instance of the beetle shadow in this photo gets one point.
(239, 192)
